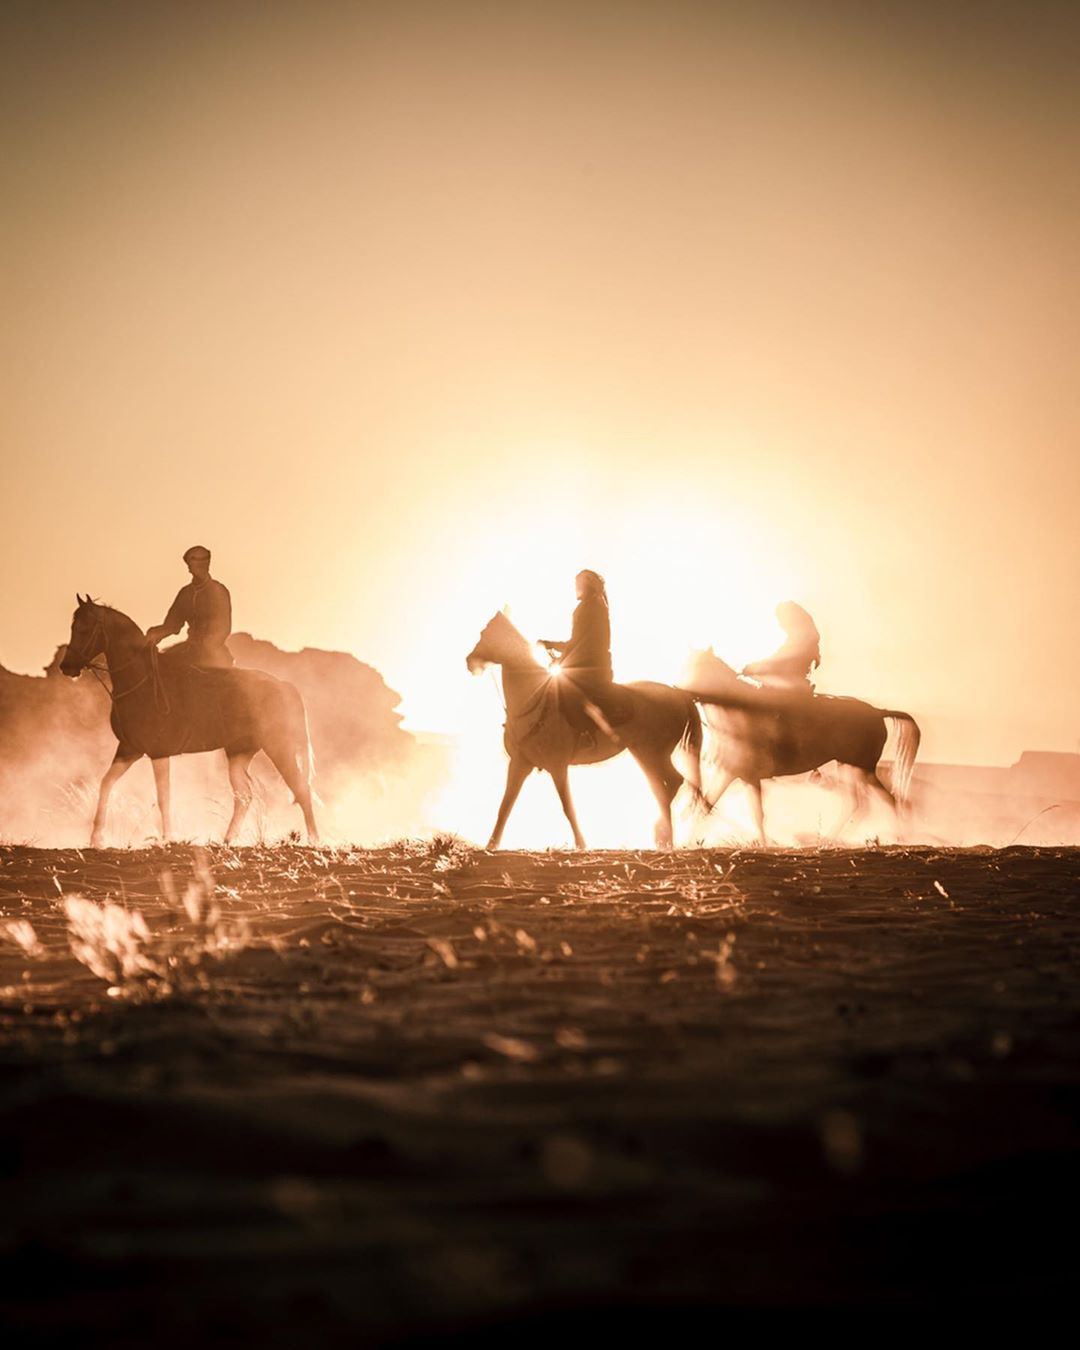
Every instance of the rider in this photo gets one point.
(205, 605)
(585, 661)
(789, 667)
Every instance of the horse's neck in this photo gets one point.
(125, 642)
(520, 686)
(711, 670)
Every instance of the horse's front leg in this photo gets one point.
(561, 778)
(121, 763)
(724, 780)
(516, 773)
(240, 782)
(757, 809)
(161, 785)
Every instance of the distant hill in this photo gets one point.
(352, 713)
(1034, 801)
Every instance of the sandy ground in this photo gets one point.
(347, 1097)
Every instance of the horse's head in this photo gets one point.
(87, 638)
(705, 670)
(500, 644)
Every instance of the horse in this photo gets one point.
(162, 707)
(537, 735)
(764, 733)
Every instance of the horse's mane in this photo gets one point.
(707, 661)
(502, 621)
(706, 670)
(117, 613)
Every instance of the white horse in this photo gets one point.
(538, 736)
(766, 733)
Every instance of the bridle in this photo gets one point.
(161, 698)
(535, 702)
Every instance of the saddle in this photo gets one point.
(592, 718)
(600, 723)
(194, 702)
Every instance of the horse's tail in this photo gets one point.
(299, 734)
(690, 743)
(907, 746)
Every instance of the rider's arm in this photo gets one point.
(579, 631)
(174, 621)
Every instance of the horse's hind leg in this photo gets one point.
(561, 778)
(853, 800)
(516, 773)
(879, 792)
(122, 761)
(161, 784)
(240, 782)
(724, 780)
(301, 790)
(310, 824)
(285, 761)
(664, 780)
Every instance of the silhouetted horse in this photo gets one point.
(162, 708)
(768, 734)
(538, 736)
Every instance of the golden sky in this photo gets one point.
(412, 310)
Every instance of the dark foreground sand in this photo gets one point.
(516, 1096)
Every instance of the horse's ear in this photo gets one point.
(505, 611)
(79, 598)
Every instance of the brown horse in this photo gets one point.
(161, 707)
(762, 733)
(538, 736)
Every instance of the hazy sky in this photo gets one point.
(412, 310)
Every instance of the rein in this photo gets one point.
(537, 701)
(161, 697)
(498, 690)
(532, 705)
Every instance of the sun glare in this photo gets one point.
(714, 582)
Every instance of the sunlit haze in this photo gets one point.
(410, 311)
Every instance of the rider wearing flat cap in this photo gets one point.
(205, 605)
